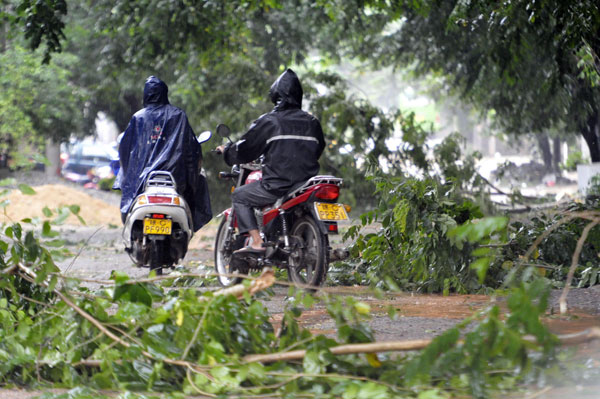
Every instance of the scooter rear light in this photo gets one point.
(176, 201)
(156, 199)
(328, 192)
(158, 216)
(142, 200)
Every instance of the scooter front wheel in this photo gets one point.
(225, 273)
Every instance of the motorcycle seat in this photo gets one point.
(303, 187)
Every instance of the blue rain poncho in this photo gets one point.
(159, 137)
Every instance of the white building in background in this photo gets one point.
(106, 129)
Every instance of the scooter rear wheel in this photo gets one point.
(223, 256)
(308, 263)
(156, 256)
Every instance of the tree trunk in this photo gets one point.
(53, 157)
(544, 145)
(556, 155)
(2, 37)
(591, 134)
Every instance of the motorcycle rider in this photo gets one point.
(159, 137)
(291, 141)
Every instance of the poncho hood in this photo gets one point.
(155, 92)
(286, 92)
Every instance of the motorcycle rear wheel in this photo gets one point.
(308, 264)
(222, 259)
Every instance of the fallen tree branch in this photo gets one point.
(400, 346)
(9, 269)
(266, 279)
(81, 249)
(172, 276)
(562, 301)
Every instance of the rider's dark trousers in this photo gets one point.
(245, 198)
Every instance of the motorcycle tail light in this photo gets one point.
(176, 201)
(142, 200)
(156, 199)
(329, 192)
(158, 216)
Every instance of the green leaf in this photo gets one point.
(9, 181)
(133, 293)
(119, 276)
(371, 390)
(312, 363)
(481, 266)
(25, 189)
(74, 209)
(432, 394)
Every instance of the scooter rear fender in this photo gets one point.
(178, 214)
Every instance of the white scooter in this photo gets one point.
(159, 225)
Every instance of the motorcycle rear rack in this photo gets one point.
(313, 181)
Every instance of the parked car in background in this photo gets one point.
(86, 159)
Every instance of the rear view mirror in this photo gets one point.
(223, 130)
(204, 136)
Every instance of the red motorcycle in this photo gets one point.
(295, 229)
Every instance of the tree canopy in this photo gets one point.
(535, 64)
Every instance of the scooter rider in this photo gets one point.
(159, 137)
(291, 141)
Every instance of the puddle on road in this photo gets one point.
(417, 316)
(424, 316)
(576, 321)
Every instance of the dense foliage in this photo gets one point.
(561, 229)
(37, 103)
(39, 21)
(426, 195)
(165, 335)
(534, 64)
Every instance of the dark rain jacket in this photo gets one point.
(290, 139)
(159, 137)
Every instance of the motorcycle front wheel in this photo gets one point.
(308, 262)
(223, 257)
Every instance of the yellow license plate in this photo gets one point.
(157, 226)
(330, 211)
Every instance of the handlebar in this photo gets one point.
(228, 175)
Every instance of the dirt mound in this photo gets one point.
(93, 211)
